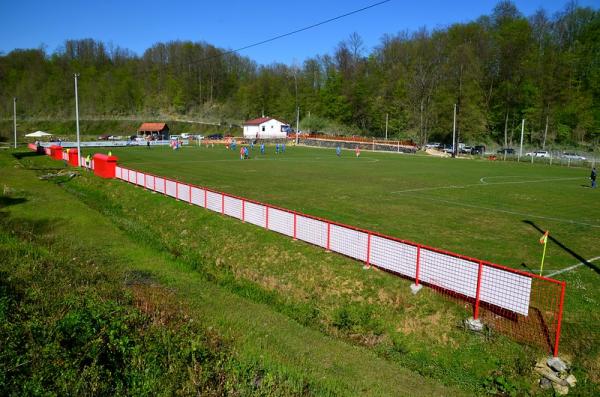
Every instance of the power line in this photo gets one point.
(295, 31)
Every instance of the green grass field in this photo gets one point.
(474, 207)
(281, 302)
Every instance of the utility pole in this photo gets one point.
(297, 123)
(522, 131)
(15, 118)
(76, 75)
(454, 133)
(386, 124)
(545, 133)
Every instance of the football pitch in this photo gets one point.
(491, 210)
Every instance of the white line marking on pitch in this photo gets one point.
(572, 267)
(549, 218)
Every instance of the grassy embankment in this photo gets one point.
(93, 301)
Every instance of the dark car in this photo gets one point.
(215, 136)
(506, 150)
(478, 149)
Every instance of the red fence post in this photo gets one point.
(295, 222)
(205, 198)
(418, 264)
(222, 203)
(243, 211)
(176, 190)
(328, 235)
(476, 315)
(369, 250)
(154, 183)
(559, 321)
(190, 192)
(267, 218)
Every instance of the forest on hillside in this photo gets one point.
(498, 70)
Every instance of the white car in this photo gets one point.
(573, 156)
(538, 153)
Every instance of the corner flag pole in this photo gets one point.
(543, 240)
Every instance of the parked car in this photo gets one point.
(573, 156)
(215, 136)
(478, 150)
(433, 145)
(465, 150)
(448, 149)
(104, 137)
(506, 150)
(538, 153)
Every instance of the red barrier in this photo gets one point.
(56, 152)
(105, 166)
(73, 157)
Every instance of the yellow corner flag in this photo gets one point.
(544, 241)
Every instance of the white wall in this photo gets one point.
(250, 131)
(268, 130)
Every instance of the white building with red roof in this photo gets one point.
(265, 128)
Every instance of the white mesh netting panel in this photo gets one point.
(140, 179)
(348, 242)
(131, 176)
(233, 207)
(119, 172)
(311, 230)
(198, 196)
(281, 221)
(505, 289)
(448, 272)
(160, 185)
(149, 182)
(171, 188)
(255, 214)
(213, 201)
(184, 192)
(393, 255)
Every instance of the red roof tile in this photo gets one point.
(152, 126)
(257, 121)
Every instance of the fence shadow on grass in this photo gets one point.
(20, 155)
(6, 201)
(564, 247)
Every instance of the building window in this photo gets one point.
(263, 127)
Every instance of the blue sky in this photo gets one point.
(137, 25)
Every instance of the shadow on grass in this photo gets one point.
(6, 201)
(524, 266)
(565, 248)
(21, 155)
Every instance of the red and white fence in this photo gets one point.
(524, 305)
